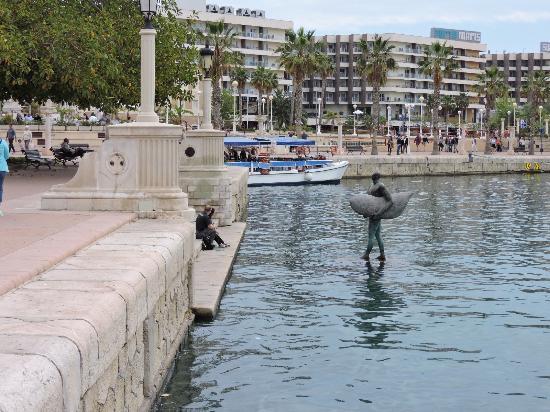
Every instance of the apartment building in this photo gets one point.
(258, 38)
(518, 66)
(404, 86)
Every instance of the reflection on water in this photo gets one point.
(457, 319)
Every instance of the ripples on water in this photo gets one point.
(458, 319)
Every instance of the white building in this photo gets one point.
(257, 39)
(405, 85)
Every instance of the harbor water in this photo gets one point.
(457, 319)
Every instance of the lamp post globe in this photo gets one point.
(234, 85)
(270, 112)
(148, 9)
(207, 55)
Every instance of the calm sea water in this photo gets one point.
(458, 319)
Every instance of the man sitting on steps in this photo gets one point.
(206, 230)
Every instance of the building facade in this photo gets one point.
(517, 67)
(258, 38)
(404, 86)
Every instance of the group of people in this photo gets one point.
(402, 144)
(25, 144)
(245, 155)
(448, 144)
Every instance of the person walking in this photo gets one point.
(474, 144)
(390, 145)
(4, 156)
(27, 138)
(10, 135)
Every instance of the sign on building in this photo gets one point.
(459, 35)
(545, 47)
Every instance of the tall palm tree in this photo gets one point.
(240, 75)
(492, 85)
(324, 68)
(264, 80)
(299, 55)
(221, 38)
(438, 63)
(373, 65)
(537, 88)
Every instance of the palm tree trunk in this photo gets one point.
(292, 98)
(376, 117)
(435, 120)
(298, 105)
(323, 90)
(240, 108)
(216, 104)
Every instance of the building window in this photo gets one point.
(343, 47)
(343, 72)
(344, 58)
(356, 83)
(356, 97)
(343, 83)
(329, 96)
(343, 96)
(331, 48)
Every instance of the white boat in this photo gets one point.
(301, 172)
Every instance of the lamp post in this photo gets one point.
(262, 115)
(515, 126)
(541, 129)
(508, 121)
(148, 33)
(482, 110)
(234, 84)
(432, 124)
(206, 54)
(409, 107)
(459, 124)
(271, 112)
(354, 126)
(319, 101)
(389, 117)
(421, 99)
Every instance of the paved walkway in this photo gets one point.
(33, 240)
(212, 270)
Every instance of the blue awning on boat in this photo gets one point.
(288, 141)
(236, 141)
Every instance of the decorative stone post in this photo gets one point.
(136, 170)
(511, 139)
(48, 110)
(501, 126)
(340, 124)
(546, 126)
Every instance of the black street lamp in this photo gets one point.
(148, 9)
(206, 54)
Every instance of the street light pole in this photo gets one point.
(389, 117)
(409, 106)
(235, 84)
(354, 126)
(206, 54)
(515, 127)
(319, 101)
(432, 124)
(421, 116)
(482, 110)
(271, 112)
(541, 129)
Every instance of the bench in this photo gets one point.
(83, 146)
(33, 157)
(520, 149)
(355, 148)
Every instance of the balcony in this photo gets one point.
(254, 35)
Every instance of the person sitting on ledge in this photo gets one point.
(206, 230)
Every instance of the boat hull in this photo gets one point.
(331, 174)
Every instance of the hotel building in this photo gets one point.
(518, 66)
(405, 85)
(258, 38)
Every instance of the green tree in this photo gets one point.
(281, 108)
(374, 64)
(299, 55)
(227, 108)
(449, 106)
(240, 75)
(264, 80)
(331, 118)
(221, 38)
(87, 53)
(462, 102)
(492, 85)
(438, 62)
(324, 68)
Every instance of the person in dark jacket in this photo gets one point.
(206, 230)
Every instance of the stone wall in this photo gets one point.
(365, 166)
(99, 331)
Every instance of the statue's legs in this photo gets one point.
(374, 233)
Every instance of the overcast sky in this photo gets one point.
(514, 26)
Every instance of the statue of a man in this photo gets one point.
(375, 222)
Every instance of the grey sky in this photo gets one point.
(518, 25)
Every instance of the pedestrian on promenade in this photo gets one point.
(10, 135)
(390, 145)
(405, 144)
(27, 138)
(474, 144)
(417, 141)
(206, 230)
(399, 144)
(4, 156)
(375, 224)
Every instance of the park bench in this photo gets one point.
(33, 158)
(520, 149)
(83, 146)
(355, 148)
